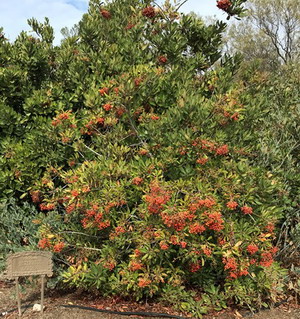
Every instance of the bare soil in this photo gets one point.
(54, 310)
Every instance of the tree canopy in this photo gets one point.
(270, 32)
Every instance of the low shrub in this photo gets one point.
(18, 232)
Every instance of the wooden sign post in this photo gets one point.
(29, 263)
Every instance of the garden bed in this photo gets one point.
(54, 300)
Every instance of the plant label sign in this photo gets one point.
(29, 263)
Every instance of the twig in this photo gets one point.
(135, 129)
(162, 11)
(61, 260)
(90, 149)
(137, 144)
(81, 155)
(181, 5)
(88, 248)
(288, 153)
(76, 233)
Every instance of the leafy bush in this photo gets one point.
(18, 232)
(143, 168)
(275, 141)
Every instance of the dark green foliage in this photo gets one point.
(18, 232)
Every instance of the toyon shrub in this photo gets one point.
(145, 182)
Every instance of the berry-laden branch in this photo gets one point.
(232, 7)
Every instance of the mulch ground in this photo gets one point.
(53, 310)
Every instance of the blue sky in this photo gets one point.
(65, 13)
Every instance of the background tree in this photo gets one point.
(269, 41)
(270, 32)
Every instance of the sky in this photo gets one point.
(66, 13)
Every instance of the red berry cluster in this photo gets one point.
(144, 282)
(149, 12)
(205, 145)
(107, 107)
(202, 160)
(137, 181)
(207, 251)
(210, 147)
(111, 205)
(104, 91)
(154, 117)
(47, 207)
(224, 4)
(136, 265)
(120, 111)
(58, 247)
(214, 221)
(129, 26)
(234, 116)
(177, 220)
(174, 240)
(194, 267)
(105, 14)
(266, 259)
(138, 81)
(230, 264)
(94, 218)
(70, 208)
(157, 198)
(92, 126)
(162, 59)
(117, 232)
(247, 210)
(270, 227)
(238, 273)
(252, 249)
(35, 196)
(44, 243)
(75, 193)
(196, 228)
(73, 179)
(232, 205)
(222, 150)
(163, 245)
(109, 265)
(61, 117)
(207, 203)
